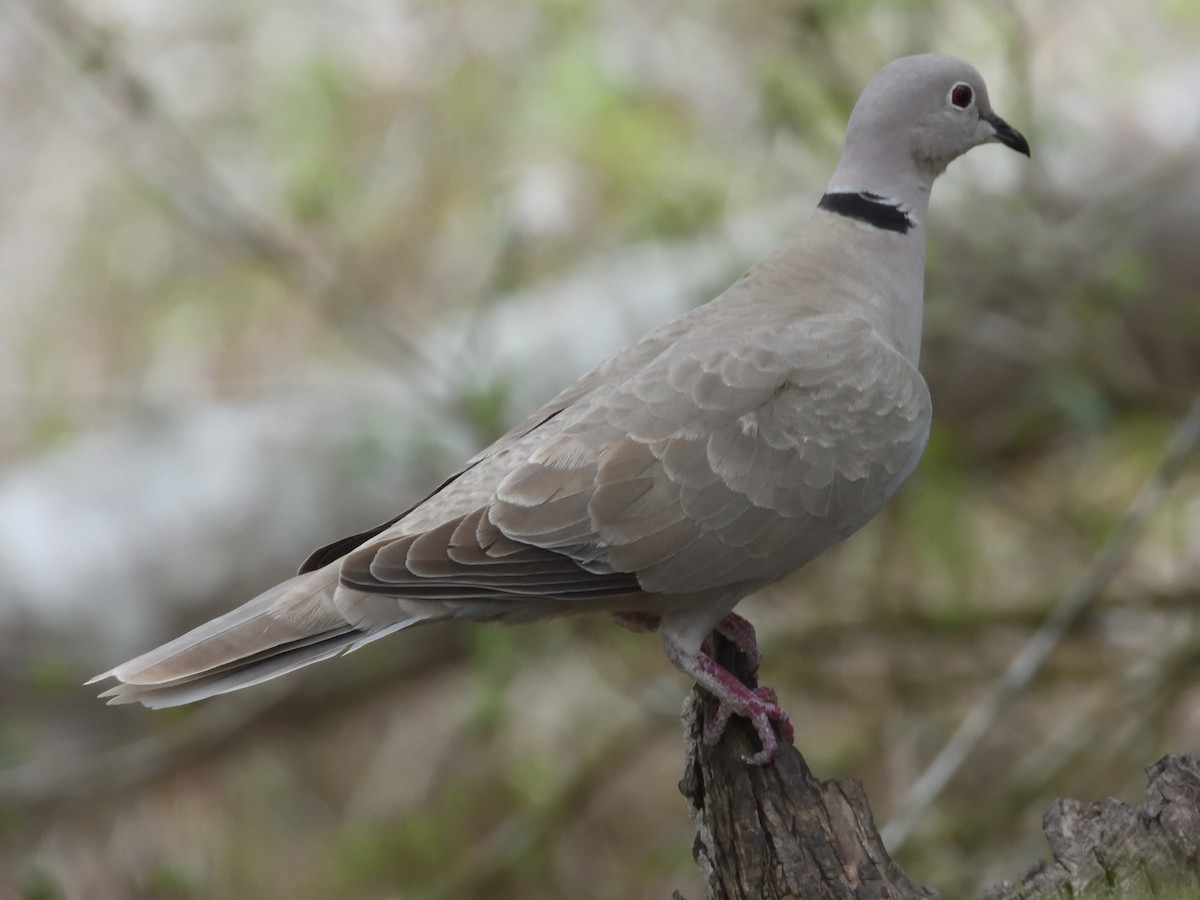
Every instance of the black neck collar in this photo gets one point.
(873, 209)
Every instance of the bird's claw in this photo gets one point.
(761, 707)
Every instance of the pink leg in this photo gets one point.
(760, 706)
(741, 634)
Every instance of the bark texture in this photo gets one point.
(1109, 849)
(779, 832)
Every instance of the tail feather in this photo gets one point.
(292, 625)
(232, 677)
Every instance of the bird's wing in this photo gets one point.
(718, 462)
(627, 360)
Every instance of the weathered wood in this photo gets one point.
(777, 832)
(1108, 849)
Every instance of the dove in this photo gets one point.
(715, 455)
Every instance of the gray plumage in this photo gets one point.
(714, 456)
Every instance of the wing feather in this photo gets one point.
(704, 465)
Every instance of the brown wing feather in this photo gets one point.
(451, 563)
(706, 466)
(630, 359)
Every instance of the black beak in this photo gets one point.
(1006, 134)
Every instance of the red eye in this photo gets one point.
(961, 95)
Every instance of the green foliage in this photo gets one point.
(795, 101)
(18, 738)
(1073, 396)
(933, 514)
(824, 16)
(50, 426)
(487, 409)
(496, 657)
(50, 674)
(1187, 12)
(35, 883)
(171, 881)
(1124, 276)
(639, 146)
(411, 849)
(1138, 440)
(306, 129)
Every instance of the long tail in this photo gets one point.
(292, 625)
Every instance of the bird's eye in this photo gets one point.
(961, 95)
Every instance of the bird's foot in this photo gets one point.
(761, 710)
(760, 705)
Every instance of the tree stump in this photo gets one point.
(774, 832)
(779, 832)
(1109, 849)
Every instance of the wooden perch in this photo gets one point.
(779, 832)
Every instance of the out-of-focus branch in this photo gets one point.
(111, 102)
(1184, 444)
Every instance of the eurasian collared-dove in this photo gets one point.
(714, 456)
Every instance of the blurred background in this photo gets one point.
(269, 271)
